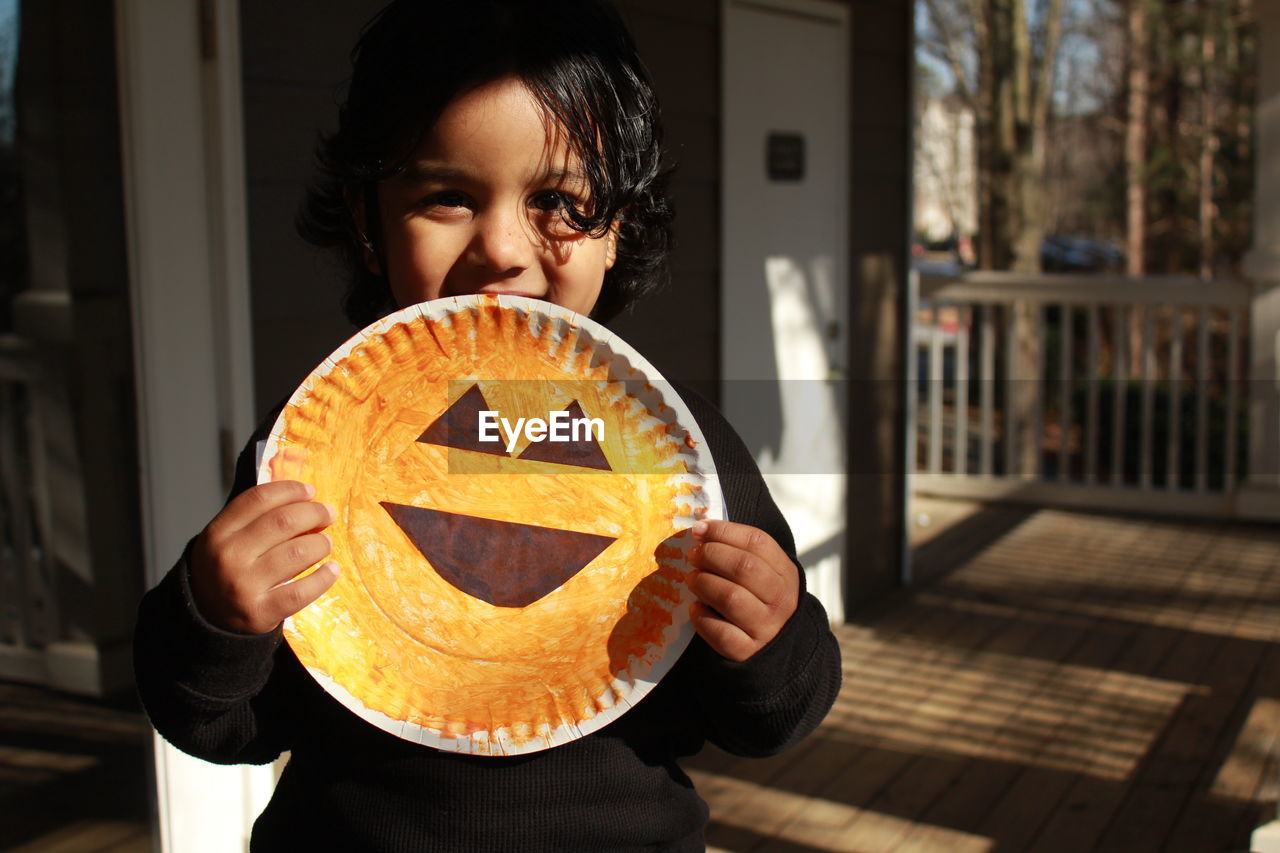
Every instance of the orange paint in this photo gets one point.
(408, 644)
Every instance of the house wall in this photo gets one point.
(678, 328)
(945, 198)
(293, 76)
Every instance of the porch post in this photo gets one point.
(183, 174)
(1262, 265)
(879, 304)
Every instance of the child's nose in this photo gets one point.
(503, 242)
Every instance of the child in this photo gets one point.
(499, 146)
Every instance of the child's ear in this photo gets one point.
(611, 246)
(356, 206)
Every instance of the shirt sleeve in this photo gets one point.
(779, 695)
(206, 689)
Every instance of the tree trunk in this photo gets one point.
(1209, 140)
(1135, 139)
(1011, 103)
(1135, 161)
(995, 132)
(1032, 92)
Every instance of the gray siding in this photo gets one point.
(679, 328)
(294, 56)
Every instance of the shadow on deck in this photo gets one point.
(1068, 682)
(1057, 681)
(73, 773)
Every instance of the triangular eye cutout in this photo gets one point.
(584, 453)
(459, 426)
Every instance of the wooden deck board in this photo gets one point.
(929, 780)
(1076, 680)
(984, 783)
(86, 835)
(807, 776)
(1221, 668)
(1087, 799)
(1026, 798)
(73, 773)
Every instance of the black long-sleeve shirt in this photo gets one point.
(233, 698)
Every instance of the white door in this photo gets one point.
(184, 182)
(784, 203)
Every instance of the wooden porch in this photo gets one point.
(1056, 681)
(1063, 681)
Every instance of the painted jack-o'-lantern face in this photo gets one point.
(503, 591)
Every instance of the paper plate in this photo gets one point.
(503, 590)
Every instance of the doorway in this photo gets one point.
(784, 263)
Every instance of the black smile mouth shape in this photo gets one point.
(504, 563)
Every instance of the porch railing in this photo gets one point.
(1095, 391)
(28, 612)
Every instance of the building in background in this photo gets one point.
(945, 193)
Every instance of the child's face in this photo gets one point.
(477, 210)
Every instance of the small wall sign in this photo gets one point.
(784, 156)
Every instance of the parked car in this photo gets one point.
(955, 253)
(1065, 253)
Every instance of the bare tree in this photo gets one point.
(1135, 146)
(1001, 54)
(1209, 134)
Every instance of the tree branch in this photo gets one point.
(1048, 57)
(947, 43)
(1024, 64)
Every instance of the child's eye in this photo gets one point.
(447, 198)
(550, 201)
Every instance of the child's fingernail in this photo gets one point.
(332, 568)
(699, 528)
(333, 513)
(310, 490)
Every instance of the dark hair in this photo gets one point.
(578, 61)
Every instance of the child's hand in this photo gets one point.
(747, 587)
(242, 563)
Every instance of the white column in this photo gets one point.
(183, 173)
(1263, 266)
